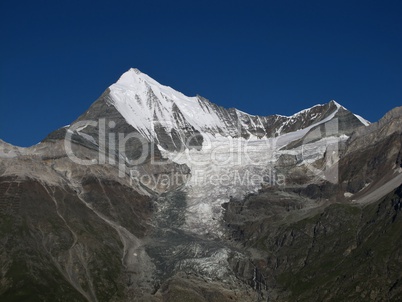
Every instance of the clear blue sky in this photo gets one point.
(263, 57)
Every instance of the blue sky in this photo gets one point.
(263, 57)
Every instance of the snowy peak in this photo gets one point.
(136, 81)
(158, 111)
(170, 118)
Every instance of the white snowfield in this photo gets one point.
(142, 101)
(362, 120)
(225, 166)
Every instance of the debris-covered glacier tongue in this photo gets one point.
(230, 153)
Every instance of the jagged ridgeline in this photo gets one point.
(152, 195)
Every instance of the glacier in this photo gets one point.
(236, 148)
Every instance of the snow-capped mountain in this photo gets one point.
(151, 195)
(169, 118)
(213, 142)
(175, 122)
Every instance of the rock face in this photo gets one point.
(340, 252)
(151, 195)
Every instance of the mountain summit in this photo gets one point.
(169, 118)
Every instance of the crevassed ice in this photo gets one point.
(225, 167)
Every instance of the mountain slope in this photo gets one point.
(191, 130)
(151, 195)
